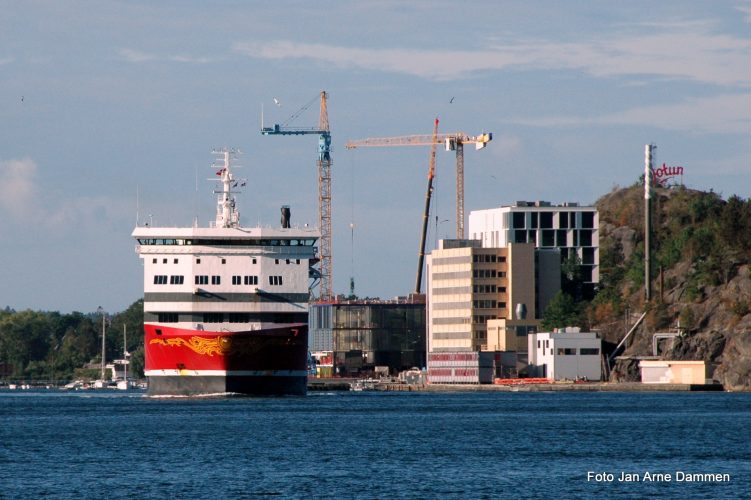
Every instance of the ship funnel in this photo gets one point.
(521, 311)
(285, 216)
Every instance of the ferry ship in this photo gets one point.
(226, 306)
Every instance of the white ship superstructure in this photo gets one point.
(221, 280)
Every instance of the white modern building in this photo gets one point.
(569, 227)
(567, 355)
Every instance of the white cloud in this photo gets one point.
(746, 10)
(17, 189)
(24, 201)
(137, 56)
(679, 50)
(727, 113)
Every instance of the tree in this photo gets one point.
(561, 312)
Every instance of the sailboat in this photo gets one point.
(102, 382)
(123, 384)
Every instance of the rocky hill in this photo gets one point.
(701, 281)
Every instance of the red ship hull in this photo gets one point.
(253, 362)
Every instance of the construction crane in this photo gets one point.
(453, 142)
(426, 212)
(324, 184)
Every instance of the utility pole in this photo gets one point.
(648, 161)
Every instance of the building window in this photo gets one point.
(216, 280)
(174, 261)
(224, 261)
(213, 317)
(164, 261)
(546, 220)
(567, 351)
(275, 280)
(167, 317)
(585, 238)
(548, 238)
(254, 260)
(202, 280)
(198, 261)
(160, 279)
(297, 261)
(276, 261)
(239, 317)
(236, 280)
(250, 280)
(153, 261)
(176, 280)
(588, 220)
(517, 220)
(589, 351)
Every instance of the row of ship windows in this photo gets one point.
(173, 317)
(224, 261)
(254, 242)
(161, 279)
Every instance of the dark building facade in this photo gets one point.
(365, 334)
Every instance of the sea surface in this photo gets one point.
(374, 445)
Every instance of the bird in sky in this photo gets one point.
(452, 100)
(21, 98)
(276, 101)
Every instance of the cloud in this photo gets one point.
(727, 113)
(687, 51)
(17, 189)
(23, 202)
(432, 65)
(746, 10)
(137, 56)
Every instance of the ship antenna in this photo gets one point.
(227, 214)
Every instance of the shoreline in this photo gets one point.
(345, 384)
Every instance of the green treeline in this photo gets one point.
(698, 233)
(54, 347)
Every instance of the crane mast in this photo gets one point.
(426, 211)
(324, 185)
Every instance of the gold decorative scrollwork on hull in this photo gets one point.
(199, 345)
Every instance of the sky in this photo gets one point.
(109, 111)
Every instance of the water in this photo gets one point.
(371, 445)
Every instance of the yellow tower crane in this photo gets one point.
(453, 142)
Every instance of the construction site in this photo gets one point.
(474, 312)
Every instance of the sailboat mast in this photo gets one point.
(103, 354)
(125, 353)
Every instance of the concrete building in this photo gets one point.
(468, 285)
(362, 335)
(673, 372)
(567, 355)
(570, 228)
(481, 306)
